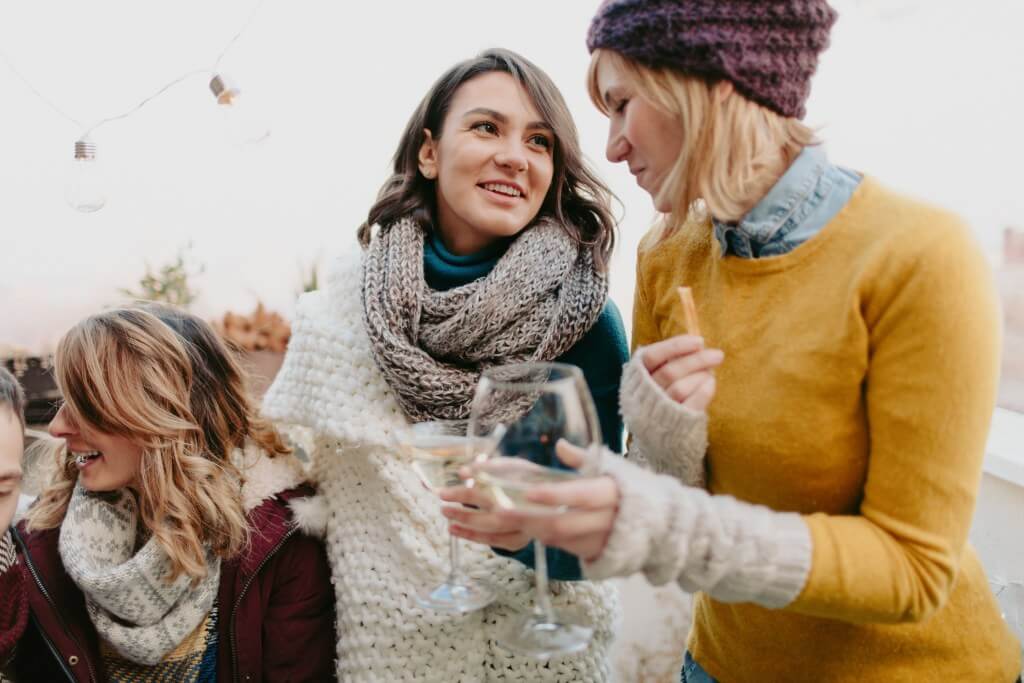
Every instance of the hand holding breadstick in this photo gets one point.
(681, 365)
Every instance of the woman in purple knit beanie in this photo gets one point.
(817, 442)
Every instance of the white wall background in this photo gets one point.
(926, 95)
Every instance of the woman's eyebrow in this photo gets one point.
(501, 118)
(496, 115)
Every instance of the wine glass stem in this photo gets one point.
(540, 566)
(454, 572)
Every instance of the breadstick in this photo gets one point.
(689, 311)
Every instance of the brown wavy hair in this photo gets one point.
(164, 379)
(577, 199)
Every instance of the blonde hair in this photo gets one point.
(163, 379)
(733, 149)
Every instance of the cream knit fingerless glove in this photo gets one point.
(667, 437)
(731, 550)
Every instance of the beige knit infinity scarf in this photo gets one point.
(127, 595)
(543, 295)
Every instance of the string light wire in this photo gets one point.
(87, 130)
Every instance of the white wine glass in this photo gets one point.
(534, 406)
(438, 449)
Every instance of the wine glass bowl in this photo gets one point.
(438, 449)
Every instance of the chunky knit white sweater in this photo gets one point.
(385, 534)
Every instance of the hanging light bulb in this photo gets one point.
(84, 189)
(242, 125)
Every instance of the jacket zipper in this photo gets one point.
(241, 596)
(53, 606)
(53, 649)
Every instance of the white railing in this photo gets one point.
(998, 531)
(1004, 456)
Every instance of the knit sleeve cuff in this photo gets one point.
(673, 438)
(765, 561)
(638, 522)
(790, 563)
(732, 550)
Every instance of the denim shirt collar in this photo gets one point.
(787, 197)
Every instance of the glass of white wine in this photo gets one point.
(438, 449)
(535, 405)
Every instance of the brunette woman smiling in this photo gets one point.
(487, 245)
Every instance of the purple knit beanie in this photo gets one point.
(768, 49)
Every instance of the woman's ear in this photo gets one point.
(722, 89)
(428, 156)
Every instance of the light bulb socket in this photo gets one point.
(85, 150)
(223, 89)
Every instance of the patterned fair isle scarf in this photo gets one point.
(193, 661)
(543, 295)
(127, 595)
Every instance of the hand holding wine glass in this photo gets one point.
(591, 505)
(478, 518)
(540, 405)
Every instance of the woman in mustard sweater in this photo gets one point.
(821, 503)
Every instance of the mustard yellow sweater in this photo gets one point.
(858, 384)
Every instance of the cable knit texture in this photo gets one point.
(768, 49)
(543, 295)
(386, 537)
(667, 437)
(733, 551)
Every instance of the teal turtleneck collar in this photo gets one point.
(444, 270)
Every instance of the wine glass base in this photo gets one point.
(540, 638)
(458, 597)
